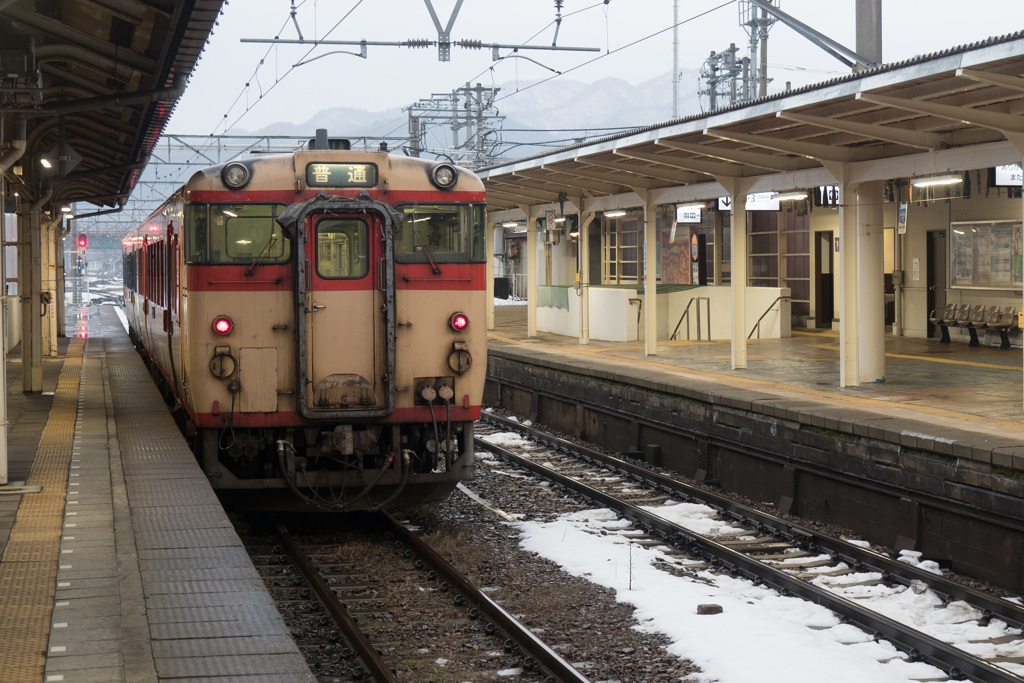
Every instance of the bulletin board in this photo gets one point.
(986, 255)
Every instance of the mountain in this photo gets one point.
(539, 116)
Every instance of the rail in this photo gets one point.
(956, 663)
(532, 646)
(686, 316)
(367, 653)
(757, 325)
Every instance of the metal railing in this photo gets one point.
(757, 325)
(686, 316)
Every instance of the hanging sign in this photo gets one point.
(762, 201)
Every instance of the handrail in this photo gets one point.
(686, 313)
(757, 325)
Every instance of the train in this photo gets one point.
(317, 320)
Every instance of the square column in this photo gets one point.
(650, 279)
(739, 279)
(870, 283)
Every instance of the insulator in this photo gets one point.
(417, 42)
(471, 44)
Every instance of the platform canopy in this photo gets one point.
(954, 110)
(89, 86)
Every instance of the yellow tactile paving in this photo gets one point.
(28, 570)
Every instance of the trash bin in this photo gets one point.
(501, 288)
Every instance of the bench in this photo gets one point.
(974, 317)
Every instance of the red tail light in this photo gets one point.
(458, 321)
(222, 325)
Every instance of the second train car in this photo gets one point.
(319, 318)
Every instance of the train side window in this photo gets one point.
(196, 233)
(342, 248)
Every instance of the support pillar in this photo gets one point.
(29, 288)
(849, 346)
(531, 275)
(650, 277)
(870, 283)
(583, 276)
(738, 287)
(48, 283)
(489, 272)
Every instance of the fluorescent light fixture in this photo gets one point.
(229, 213)
(420, 220)
(65, 209)
(614, 214)
(932, 181)
(243, 242)
(789, 196)
(510, 224)
(560, 220)
(690, 207)
(46, 163)
(574, 233)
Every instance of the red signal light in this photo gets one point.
(222, 325)
(83, 241)
(458, 321)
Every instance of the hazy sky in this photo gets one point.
(395, 77)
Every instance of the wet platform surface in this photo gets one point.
(974, 395)
(132, 572)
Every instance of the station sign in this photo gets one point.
(762, 201)
(1009, 175)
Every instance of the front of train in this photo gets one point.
(346, 359)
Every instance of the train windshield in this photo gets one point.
(442, 233)
(235, 234)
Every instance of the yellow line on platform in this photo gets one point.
(28, 571)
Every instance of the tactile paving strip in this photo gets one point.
(28, 570)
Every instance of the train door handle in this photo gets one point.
(316, 307)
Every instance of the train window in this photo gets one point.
(342, 248)
(235, 234)
(443, 233)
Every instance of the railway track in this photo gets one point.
(344, 612)
(793, 560)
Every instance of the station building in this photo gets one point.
(866, 205)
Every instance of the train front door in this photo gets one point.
(343, 300)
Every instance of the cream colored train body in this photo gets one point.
(319, 319)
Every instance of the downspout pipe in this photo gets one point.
(18, 145)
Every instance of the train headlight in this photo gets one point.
(222, 325)
(444, 176)
(235, 175)
(458, 322)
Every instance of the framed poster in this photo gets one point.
(986, 255)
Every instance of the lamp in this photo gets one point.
(789, 196)
(614, 214)
(510, 224)
(690, 207)
(932, 181)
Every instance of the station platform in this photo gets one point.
(118, 561)
(948, 398)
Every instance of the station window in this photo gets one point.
(235, 234)
(621, 242)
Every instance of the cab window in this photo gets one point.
(442, 233)
(235, 234)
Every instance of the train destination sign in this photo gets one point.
(341, 175)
